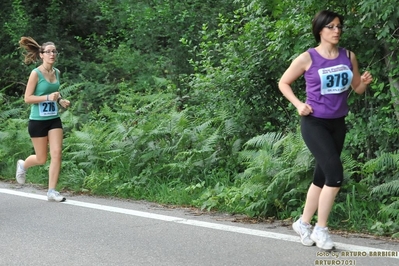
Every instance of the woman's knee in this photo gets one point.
(56, 154)
(40, 160)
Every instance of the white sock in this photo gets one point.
(317, 227)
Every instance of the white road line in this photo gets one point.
(221, 227)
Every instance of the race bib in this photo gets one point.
(48, 108)
(336, 79)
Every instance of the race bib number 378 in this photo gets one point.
(335, 79)
(48, 108)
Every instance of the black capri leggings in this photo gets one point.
(325, 140)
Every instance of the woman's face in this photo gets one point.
(49, 54)
(331, 32)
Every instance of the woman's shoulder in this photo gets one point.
(305, 57)
(302, 61)
(35, 72)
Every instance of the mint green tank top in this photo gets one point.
(48, 109)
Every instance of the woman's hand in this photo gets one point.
(53, 96)
(366, 78)
(64, 103)
(304, 109)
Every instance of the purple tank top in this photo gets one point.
(327, 84)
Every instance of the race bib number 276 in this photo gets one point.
(48, 108)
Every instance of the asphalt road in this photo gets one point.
(87, 231)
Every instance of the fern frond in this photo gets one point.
(230, 127)
(203, 126)
(350, 165)
(382, 162)
(391, 210)
(268, 139)
(391, 188)
(66, 89)
(10, 113)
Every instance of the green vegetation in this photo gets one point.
(177, 102)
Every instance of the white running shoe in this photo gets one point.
(21, 172)
(55, 196)
(322, 238)
(304, 232)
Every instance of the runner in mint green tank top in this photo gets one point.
(45, 110)
(44, 126)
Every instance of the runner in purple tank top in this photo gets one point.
(330, 73)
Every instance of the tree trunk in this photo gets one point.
(393, 79)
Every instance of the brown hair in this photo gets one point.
(32, 48)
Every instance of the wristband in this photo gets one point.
(58, 100)
(47, 97)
